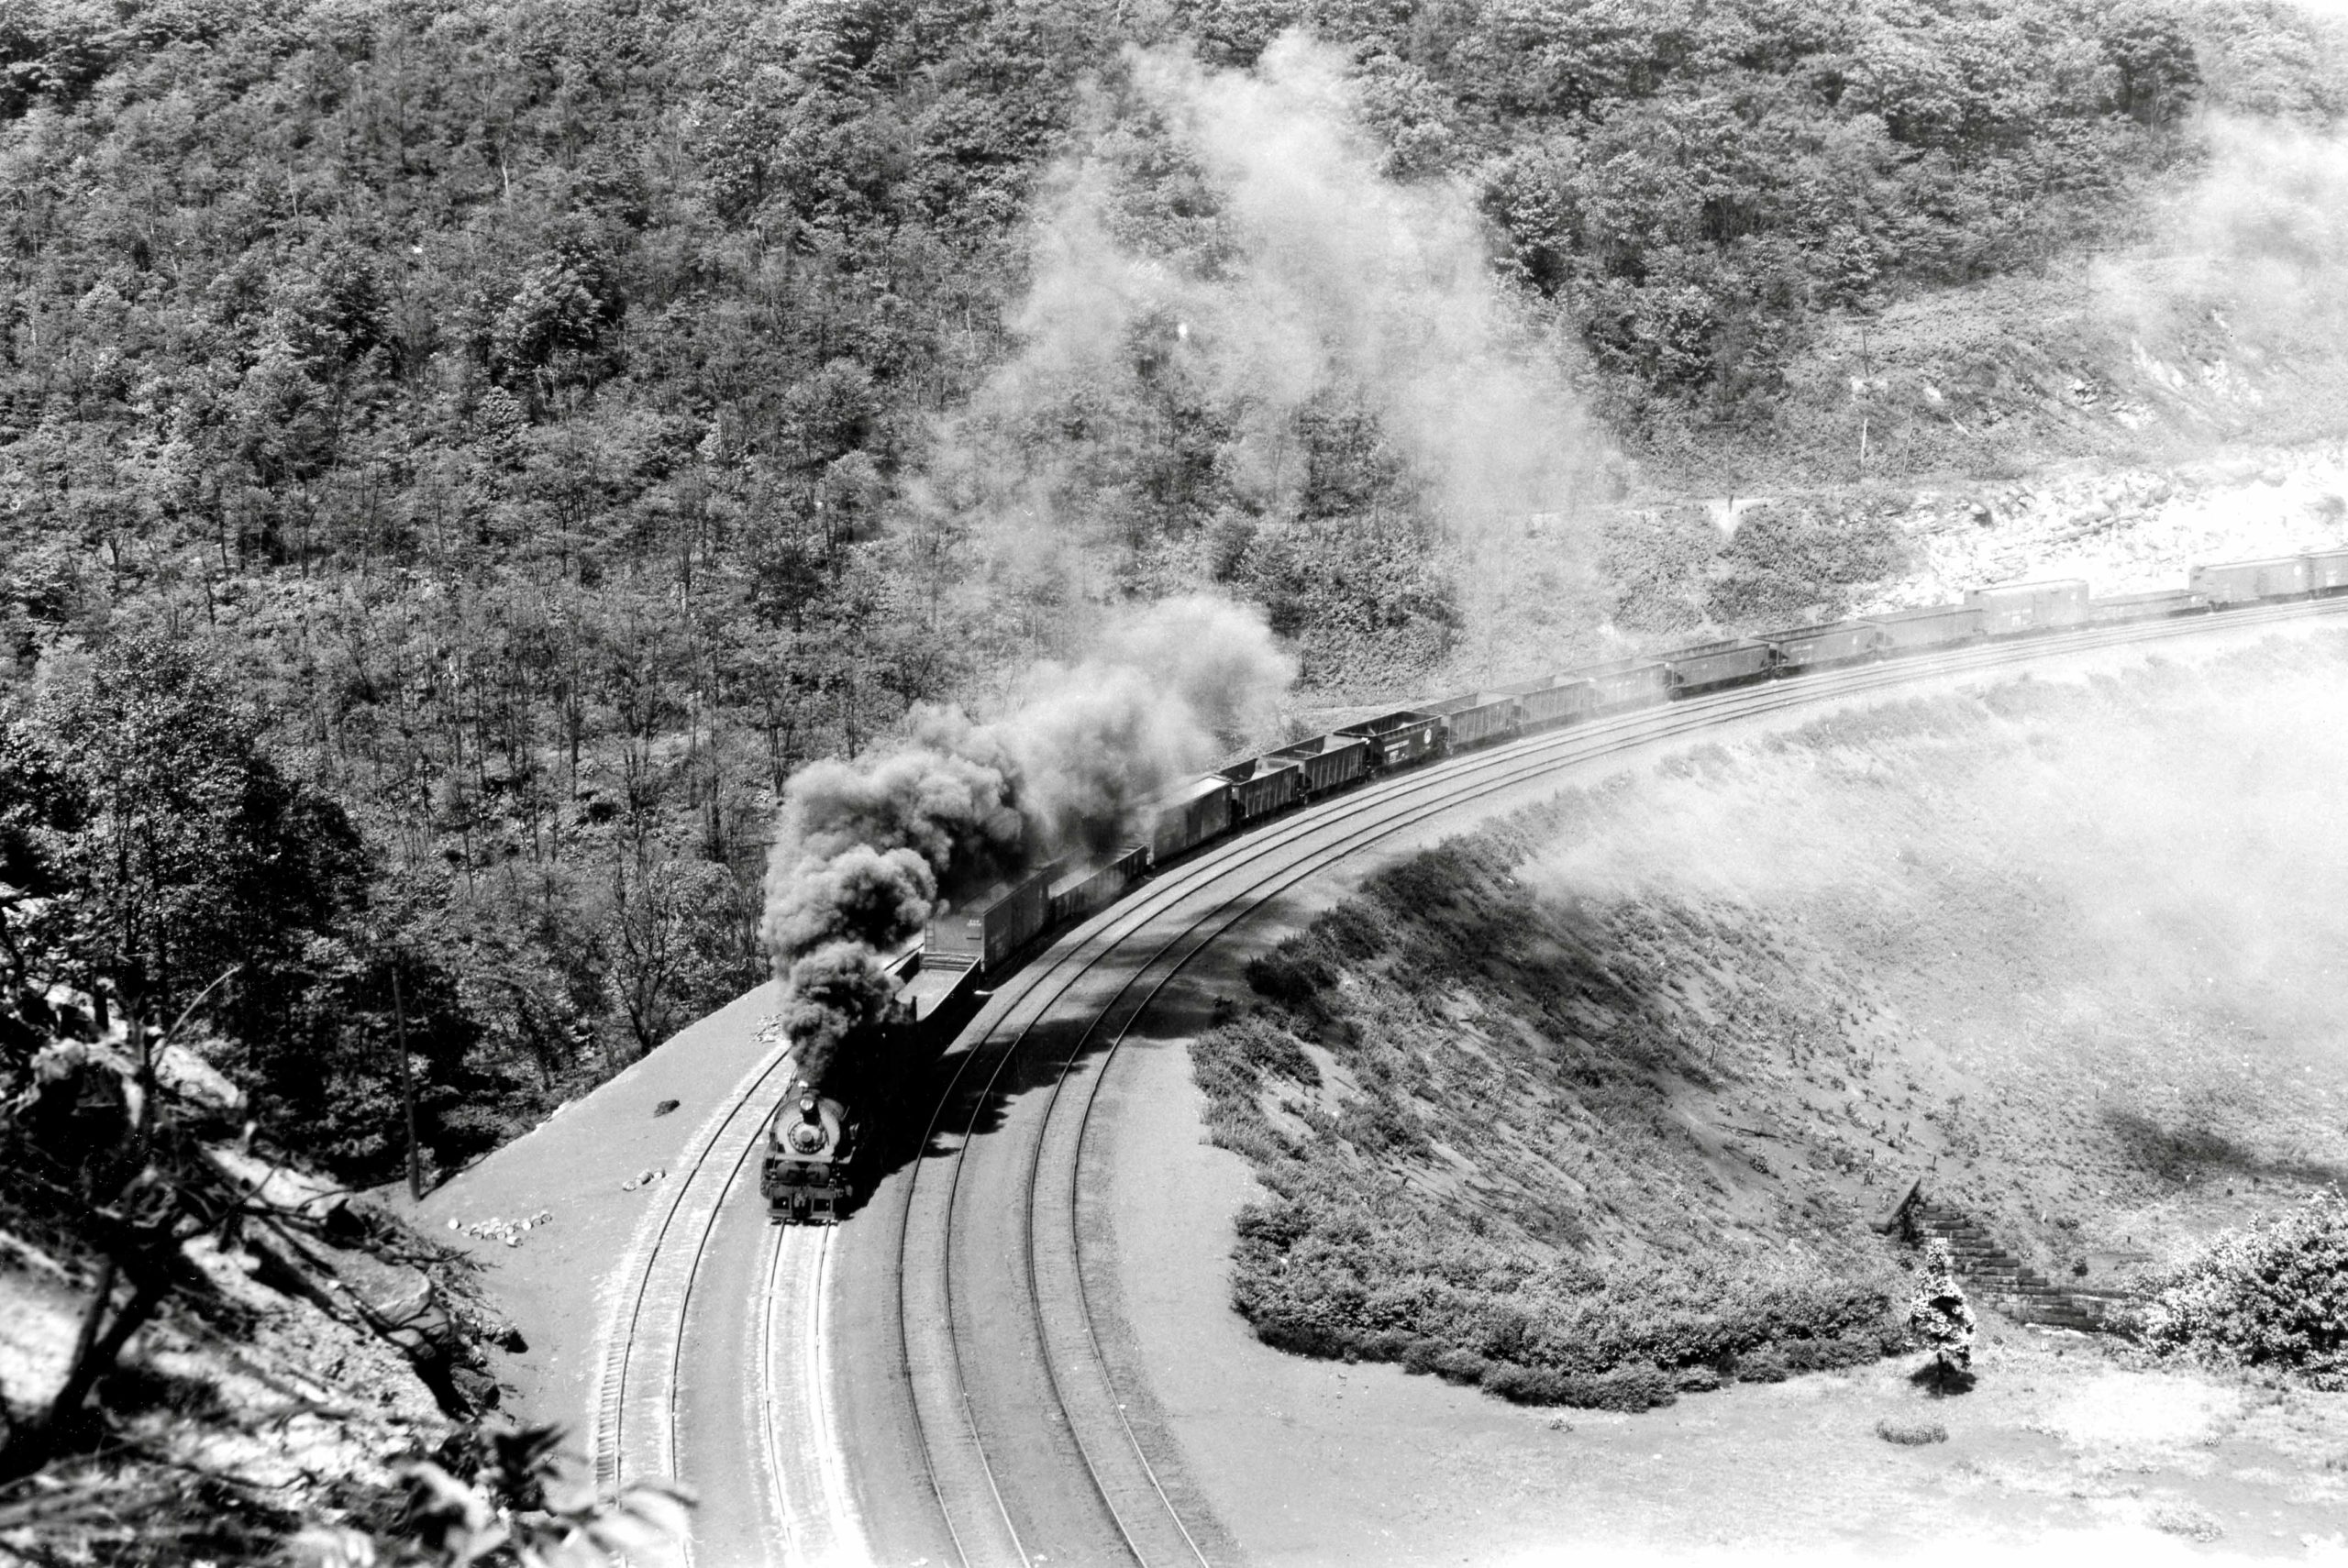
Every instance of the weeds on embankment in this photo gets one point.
(1596, 1106)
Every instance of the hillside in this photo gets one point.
(1614, 1092)
(553, 426)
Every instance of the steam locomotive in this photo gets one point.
(816, 1152)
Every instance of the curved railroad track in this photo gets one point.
(1026, 1452)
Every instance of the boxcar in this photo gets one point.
(1329, 762)
(1397, 740)
(1479, 718)
(2019, 607)
(1936, 626)
(2244, 583)
(1186, 816)
(989, 928)
(1553, 699)
(1079, 892)
(1823, 647)
(1623, 683)
(2327, 571)
(1711, 665)
(2113, 608)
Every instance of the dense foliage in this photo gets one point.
(1464, 1108)
(2274, 1295)
(530, 411)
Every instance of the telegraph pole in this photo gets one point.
(407, 1091)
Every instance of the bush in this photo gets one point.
(1302, 1336)
(2187, 1520)
(1911, 1434)
(1460, 1367)
(1526, 1385)
(1288, 975)
(1626, 1388)
(2276, 1294)
(1767, 1364)
(1277, 1225)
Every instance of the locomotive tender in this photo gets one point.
(817, 1150)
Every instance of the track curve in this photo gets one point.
(966, 1274)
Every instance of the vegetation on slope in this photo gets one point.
(534, 412)
(1619, 1085)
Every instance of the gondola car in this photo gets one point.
(2011, 610)
(1078, 892)
(1625, 683)
(1554, 699)
(1825, 647)
(1186, 816)
(1398, 740)
(1262, 786)
(1921, 631)
(1715, 665)
(2112, 609)
(1479, 718)
(1329, 762)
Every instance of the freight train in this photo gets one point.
(818, 1149)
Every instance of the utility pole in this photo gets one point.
(407, 1089)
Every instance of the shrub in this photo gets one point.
(1460, 1367)
(2187, 1520)
(1288, 975)
(1696, 1379)
(1526, 1385)
(1767, 1364)
(2276, 1294)
(1302, 1336)
(1626, 1388)
(1938, 1313)
(1419, 1356)
(1911, 1434)
(1277, 1225)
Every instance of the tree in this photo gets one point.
(1939, 1315)
(675, 945)
(138, 801)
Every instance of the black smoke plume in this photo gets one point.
(867, 849)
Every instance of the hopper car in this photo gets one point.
(820, 1136)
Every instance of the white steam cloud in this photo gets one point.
(1307, 280)
(2257, 246)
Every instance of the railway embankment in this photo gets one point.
(1597, 1105)
(1634, 1073)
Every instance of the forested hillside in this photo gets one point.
(458, 459)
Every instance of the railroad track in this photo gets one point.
(1027, 1448)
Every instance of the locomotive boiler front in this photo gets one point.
(806, 1176)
